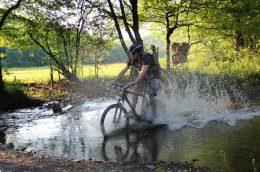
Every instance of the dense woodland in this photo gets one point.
(70, 34)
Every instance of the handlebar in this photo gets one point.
(125, 87)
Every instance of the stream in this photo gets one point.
(207, 129)
(218, 143)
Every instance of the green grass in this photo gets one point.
(28, 74)
(42, 74)
(105, 70)
(242, 67)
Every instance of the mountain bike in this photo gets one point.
(115, 118)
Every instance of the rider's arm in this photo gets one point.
(141, 74)
(121, 74)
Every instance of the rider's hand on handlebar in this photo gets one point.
(114, 83)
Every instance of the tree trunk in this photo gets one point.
(168, 43)
(135, 17)
(65, 72)
(156, 55)
(96, 66)
(2, 20)
(127, 28)
(1, 79)
(80, 27)
(169, 31)
(51, 76)
(118, 29)
(59, 75)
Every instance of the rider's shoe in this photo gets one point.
(152, 118)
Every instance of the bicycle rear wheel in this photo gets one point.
(114, 120)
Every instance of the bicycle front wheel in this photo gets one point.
(114, 120)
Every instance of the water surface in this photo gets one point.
(220, 141)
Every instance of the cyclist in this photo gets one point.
(148, 77)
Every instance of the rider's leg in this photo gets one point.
(135, 96)
(154, 87)
(153, 103)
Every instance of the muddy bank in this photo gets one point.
(36, 94)
(63, 91)
(92, 88)
(20, 161)
(17, 100)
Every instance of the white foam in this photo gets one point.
(193, 106)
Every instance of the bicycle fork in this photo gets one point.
(117, 116)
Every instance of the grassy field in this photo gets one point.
(243, 67)
(42, 74)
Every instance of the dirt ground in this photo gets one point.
(16, 161)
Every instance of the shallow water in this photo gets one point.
(221, 141)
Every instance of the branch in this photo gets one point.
(203, 27)
(4, 17)
(184, 24)
(125, 22)
(129, 6)
(117, 26)
(193, 43)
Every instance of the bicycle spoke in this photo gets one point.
(115, 115)
(114, 119)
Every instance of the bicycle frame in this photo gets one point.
(120, 107)
(123, 98)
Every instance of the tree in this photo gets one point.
(124, 14)
(8, 12)
(234, 20)
(58, 27)
(59, 39)
(3, 19)
(171, 14)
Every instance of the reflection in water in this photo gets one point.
(137, 147)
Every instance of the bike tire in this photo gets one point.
(108, 114)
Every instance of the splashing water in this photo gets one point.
(193, 100)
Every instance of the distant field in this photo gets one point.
(42, 74)
(244, 68)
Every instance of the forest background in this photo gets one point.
(43, 41)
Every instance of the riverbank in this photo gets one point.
(21, 161)
(17, 100)
(34, 94)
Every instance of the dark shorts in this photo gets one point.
(149, 86)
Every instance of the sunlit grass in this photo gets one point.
(28, 74)
(245, 66)
(42, 74)
(105, 70)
